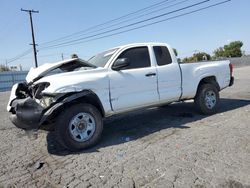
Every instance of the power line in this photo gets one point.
(130, 19)
(87, 31)
(117, 33)
(146, 25)
(108, 22)
(129, 25)
(19, 56)
(46, 55)
(22, 56)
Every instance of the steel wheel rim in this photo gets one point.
(210, 99)
(82, 127)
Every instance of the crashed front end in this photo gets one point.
(28, 105)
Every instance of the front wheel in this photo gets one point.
(79, 127)
(207, 99)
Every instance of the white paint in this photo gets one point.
(12, 96)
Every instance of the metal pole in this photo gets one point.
(33, 35)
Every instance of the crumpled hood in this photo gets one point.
(39, 72)
(76, 80)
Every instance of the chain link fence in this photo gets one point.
(240, 61)
(8, 79)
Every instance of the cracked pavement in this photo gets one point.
(171, 146)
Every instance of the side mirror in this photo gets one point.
(120, 63)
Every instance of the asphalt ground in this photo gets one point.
(170, 146)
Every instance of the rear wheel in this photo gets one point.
(207, 99)
(79, 127)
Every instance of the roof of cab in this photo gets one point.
(141, 44)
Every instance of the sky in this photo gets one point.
(201, 31)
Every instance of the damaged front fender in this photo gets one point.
(57, 107)
(29, 114)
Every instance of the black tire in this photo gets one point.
(62, 128)
(200, 99)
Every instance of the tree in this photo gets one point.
(201, 56)
(4, 68)
(232, 49)
(188, 59)
(219, 52)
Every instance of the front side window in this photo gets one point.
(138, 57)
(162, 55)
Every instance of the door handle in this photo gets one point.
(150, 74)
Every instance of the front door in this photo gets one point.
(136, 85)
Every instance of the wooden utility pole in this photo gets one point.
(33, 35)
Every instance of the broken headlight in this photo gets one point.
(46, 101)
(38, 88)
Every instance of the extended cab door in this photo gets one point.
(134, 86)
(168, 73)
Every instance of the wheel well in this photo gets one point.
(76, 98)
(91, 99)
(209, 80)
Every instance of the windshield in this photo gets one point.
(101, 59)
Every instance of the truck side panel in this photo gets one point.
(193, 73)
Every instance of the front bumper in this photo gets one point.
(26, 113)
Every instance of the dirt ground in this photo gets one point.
(170, 146)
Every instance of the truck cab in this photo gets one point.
(152, 77)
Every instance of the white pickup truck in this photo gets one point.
(75, 95)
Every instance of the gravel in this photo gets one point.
(170, 146)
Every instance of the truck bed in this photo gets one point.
(192, 73)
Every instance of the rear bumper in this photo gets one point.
(231, 81)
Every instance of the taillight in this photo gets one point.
(231, 69)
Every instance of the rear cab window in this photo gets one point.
(162, 55)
